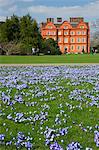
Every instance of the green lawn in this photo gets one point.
(85, 58)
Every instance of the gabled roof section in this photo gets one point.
(65, 24)
(50, 25)
(84, 24)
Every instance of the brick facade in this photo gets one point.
(72, 37)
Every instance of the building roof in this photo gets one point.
(73, 24)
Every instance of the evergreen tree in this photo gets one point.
(20, 35)
(26, 28)
(15, 28)
(37, 39)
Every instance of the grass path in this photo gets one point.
(55, 64)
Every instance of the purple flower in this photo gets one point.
(28, 145)
(2, 136)
(47, 142)
(74, 146)
(9, 143)
(63, 131)
(55, 146)
(96, 138)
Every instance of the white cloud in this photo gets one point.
(10, 2)
(2, 18)
(6, 2)
(90, 10)
(12, 9)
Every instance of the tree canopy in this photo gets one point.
(19, 34)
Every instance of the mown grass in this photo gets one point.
(72, 58)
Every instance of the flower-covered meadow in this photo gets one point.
(51, 107)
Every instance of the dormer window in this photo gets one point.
(81, 27)
(65, 27)
(49, 27)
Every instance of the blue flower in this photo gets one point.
(74, 146)
(2, 136)
(96, 138)
(55, 146)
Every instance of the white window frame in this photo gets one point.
(72, 47)
(83, 32)
(48, 33)
(84, 47)
(53, 33)
(78, 47)
(72, 40)
(50, 27)
(78, 32)
(59, 33)
(82, 27)
(65, 32)
(78, 40)
(72, 33)
(83, 40)
(65, 27)
(65, 40)
(59, 40)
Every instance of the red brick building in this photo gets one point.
(72, 36)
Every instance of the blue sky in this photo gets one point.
(57, 3)
(41, 9)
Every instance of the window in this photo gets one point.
(49, 27)
(65, 27)
(83, 32)
(72, 40)
(53, 33)
(65, 40)
(83, 40)
(72, 33)
(59, 39)
(65, 33)
(59, 32)
(78, 40)
(83, 47)
(78, 47)
(48, 33)
(78, 32)
(81, 27)
(72, 47)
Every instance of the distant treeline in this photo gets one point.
(21, 35)
(95, 42)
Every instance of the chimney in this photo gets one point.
(50, 20)
(76, 19)
(59, 19)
